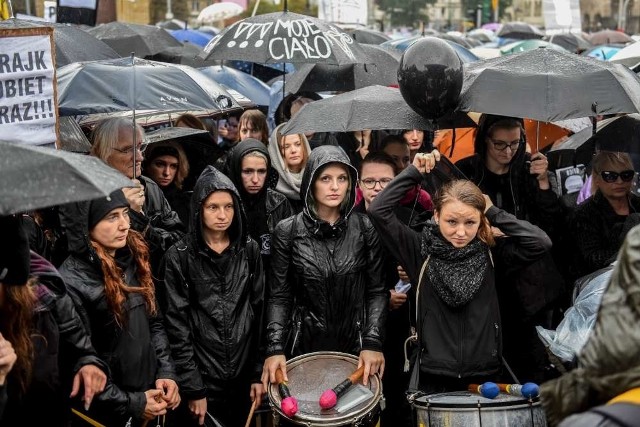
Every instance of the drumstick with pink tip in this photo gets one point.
(330, 397)
(289, 404)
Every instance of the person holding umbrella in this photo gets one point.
(150, 212)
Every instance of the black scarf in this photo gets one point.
(455, 273)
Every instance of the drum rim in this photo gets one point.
(426, 403)
(338, 421)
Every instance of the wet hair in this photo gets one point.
(190, 121)
(305, 154)
(256, 153)
(344, 205)
(173, 149)
(468, 193)
(115, 288)
(106, 134)
(16, 326)
(603, 159)
(380, 145)
(258, 121)
(378, 157)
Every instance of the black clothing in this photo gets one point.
(326, 291)
(179, 200)
(322, 138)
(460, 341)
(137, 352)
(213, 303)
(598, 231)
(348, 142)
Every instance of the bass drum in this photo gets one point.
(472, 410)
(310, 375)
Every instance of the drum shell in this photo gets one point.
(472, 410)
(324, 370)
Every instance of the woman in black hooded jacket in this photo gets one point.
(326, 292)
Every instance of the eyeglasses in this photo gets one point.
(370, 183)
(141, 148)
(611, 176)
(501, 145)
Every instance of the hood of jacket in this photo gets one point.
(210, 180)
(74, 219)
(234, 166)
(289, 183)
(319, 158)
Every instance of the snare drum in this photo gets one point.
(472, 410)
(309, 376)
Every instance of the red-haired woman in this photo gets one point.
(110, 283)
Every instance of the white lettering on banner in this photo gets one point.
(27, 103)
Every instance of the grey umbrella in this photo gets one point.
(142, 40)
(368, 36)
(35, 178)
(372, 107)
(520, 30)
(548, 85)
(382, 70)
(72, 44)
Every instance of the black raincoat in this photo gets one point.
(326, 292)
(213, 302)
(136, 354)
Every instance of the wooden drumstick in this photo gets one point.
(253, 408)
(289, 404)
(330, 397)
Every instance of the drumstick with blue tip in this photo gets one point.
(528, 390)
(330, 397)
(489, 390)
(289, 404)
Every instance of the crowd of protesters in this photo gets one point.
(184, 300)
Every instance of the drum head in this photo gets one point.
(465, 399)
(310, 375)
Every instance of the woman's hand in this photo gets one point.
(271, 365)
(539, 168)
(396, 299)
(155, 406)
(198, 409)
(8, 358)
(257, 392)
(425, 162)
(170, 392)
(92, 379)
(373, 362)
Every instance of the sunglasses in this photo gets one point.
(610, 176)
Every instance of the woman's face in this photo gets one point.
(292, 152)
(503, 144)
(400, 154)
(248, 130)
(458, 222)
(414, 138)
(618, 189)
(112, 230)
(218, 211)
(330, 186)
(163, 170)
(254, 173)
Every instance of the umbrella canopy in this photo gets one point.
(456, 39)
(143, 40)
(548, 85)
(524, 45)
(603, 52)
(187, 54)
(372, 107)
(368, 36)
(192, 36)
(35, 178)
(72, 44)
(464, 54)
(285, 37)
(246, 84)
(172, 24)
(123, 85)
(72, 138)
(628, 56)
(482, 34)
(617, 134)
(492, 26)
(520, 31)
(570, 41)
(609, 36)
(321, 77)
(219, 12)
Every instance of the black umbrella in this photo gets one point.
(254, 89)
(548, 85)
(72, 138)
(367, 36)
(520, 31)
(285, 37)
(35, 178)
(619, 134)
(609, 36)
(125, 38)
(117, 85)
(72, 44)
(187, 54)
(572, 42)
(319, 77)
(372, 107)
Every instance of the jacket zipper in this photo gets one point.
(295, 337)
(460, 360)
(359, 329)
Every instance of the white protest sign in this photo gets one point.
(561, 16)
(27, 93)
(343, 11)
(50, 11)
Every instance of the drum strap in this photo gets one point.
(414, 332)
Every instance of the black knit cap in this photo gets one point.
(99, 208)
(14, 251)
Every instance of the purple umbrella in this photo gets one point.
(492, 26)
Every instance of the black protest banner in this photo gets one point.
(28, 113)
(77, 12)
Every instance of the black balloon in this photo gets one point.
(430, 77)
